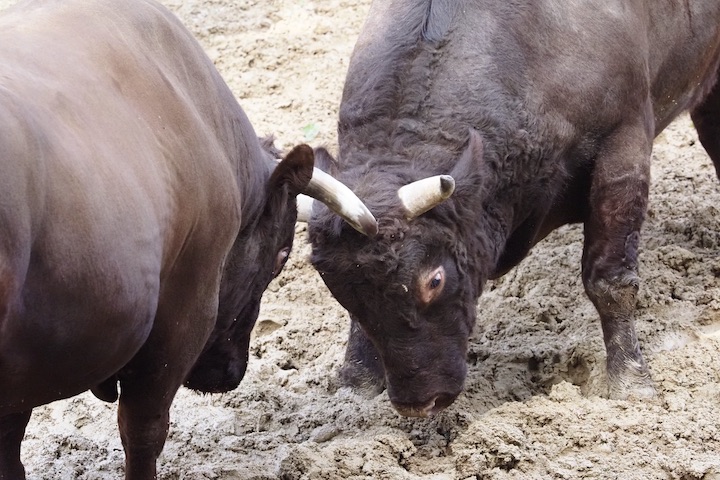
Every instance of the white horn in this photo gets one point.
(341, 200)
(304, 208)
(422, 195)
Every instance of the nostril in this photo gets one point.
(445, 400)
(440, 403)
(431, 409)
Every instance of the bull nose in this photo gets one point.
(429, 409)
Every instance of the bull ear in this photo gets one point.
(325, 161)
(295, 170)
(470, 162)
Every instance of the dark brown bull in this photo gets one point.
(537, 114)
(140, 218)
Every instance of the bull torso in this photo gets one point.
(83, 283)
(542, 82)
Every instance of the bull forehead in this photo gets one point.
(400, 249)
(395, 254)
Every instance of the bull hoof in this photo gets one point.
(646, 392)
(632, 386)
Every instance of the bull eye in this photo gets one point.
(282, 257)
(432, 286)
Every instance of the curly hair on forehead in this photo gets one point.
(391, 228)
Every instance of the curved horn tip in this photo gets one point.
(363, 221)
(341, 200)
(422, 195)
(369, 226)
(447, 185)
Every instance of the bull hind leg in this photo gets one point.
(12, 431)
(618, 202)
(706, 117)
(362, 369)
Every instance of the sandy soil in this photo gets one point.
(532, 407)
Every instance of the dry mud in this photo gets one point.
(533, 406)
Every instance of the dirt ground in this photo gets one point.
(533, 405)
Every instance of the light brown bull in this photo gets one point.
(140, 218)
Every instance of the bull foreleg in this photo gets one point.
(618, 202)
(185, 316)
(362, 369)
(12, 431)
(147, 388)
(706, 117)
(143, 423)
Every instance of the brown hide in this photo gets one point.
(128, 172)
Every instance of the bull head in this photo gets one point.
(258, 255)
(411, 290)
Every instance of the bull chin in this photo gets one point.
(429, 409)
(208, 378)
